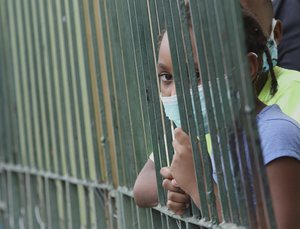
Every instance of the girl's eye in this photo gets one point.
(165, 77)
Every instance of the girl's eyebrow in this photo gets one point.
(161, 65)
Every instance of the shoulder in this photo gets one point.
(279, 134)
(286, 75)
(288, 86)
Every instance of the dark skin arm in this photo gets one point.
(145, 188)
(284, 182)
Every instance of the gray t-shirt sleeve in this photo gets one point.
(279, 138)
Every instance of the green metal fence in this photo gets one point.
(80, 113)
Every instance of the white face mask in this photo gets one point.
(170, 104)
(272, 45)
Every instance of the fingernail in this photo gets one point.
(174, 183)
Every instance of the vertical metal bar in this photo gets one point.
(19, 190)
(133, 213)
(52, 194)
(52, 203)
(40, 207)
(77, 92)
(82, 206)
(98, 97)
(2, 73)
(6, 116)
(35, 82)
(60, 159)
(86, 90)
(77, 65)
(121, 107)
(44, 131)
(47, 202)
(75, 207)
(63, 102)
(123, 94)
(129, 216)
(83, 104)
(29, 205)
(119, 203)
(48, 119)
(156, 219)
(69, 209)
(68, 77)
(173, 223)
(9, 94)
(22, 220)
(10, 208)
(92, 208)
(69, 94)
(4, 213)
(136, 88)
(101, 69)
(109, 88)
(152, 95)
(112, 200)
(100, 204)
(153, 16)
(30, 95)
(16, 10)
(164, 220)
(60, 186)
(18, 204)
(55, 27)
(143, 218)
(35, 199)
(11, 23)
(36, 72)
(56, 148)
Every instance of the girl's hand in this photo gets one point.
(178, 200)
(182, 167)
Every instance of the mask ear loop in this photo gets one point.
(274, 22)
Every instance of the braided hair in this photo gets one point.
(257, 42)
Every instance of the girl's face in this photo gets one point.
(165, 68)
